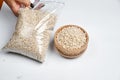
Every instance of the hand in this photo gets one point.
(16, 4)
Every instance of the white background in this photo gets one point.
(101, 61)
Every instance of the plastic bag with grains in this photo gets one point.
(33, 28)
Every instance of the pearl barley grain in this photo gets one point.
(71, 37)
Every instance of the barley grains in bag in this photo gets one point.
(33, 28)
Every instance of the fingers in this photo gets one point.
(26, 3)
(16, 4)
(13, 6)
(15, 9)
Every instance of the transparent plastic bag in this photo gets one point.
(33, 28)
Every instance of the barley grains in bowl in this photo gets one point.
(71, 41)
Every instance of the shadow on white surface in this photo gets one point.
(51, 45)
(22, 56)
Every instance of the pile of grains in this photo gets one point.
(71, 37)
(32, 33)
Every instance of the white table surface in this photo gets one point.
(101, 61)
